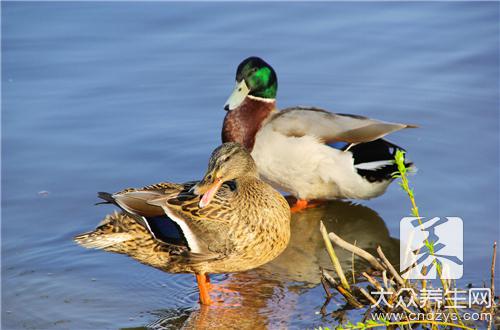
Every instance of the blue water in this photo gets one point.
(103, 96)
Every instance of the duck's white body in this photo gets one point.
(292, 149)
(309, 169)
(297, 149)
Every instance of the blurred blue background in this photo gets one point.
(103, 96)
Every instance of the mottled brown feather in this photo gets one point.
(240, 229)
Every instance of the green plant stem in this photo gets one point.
(400, 161)
(403, 323)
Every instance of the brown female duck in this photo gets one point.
(230, 221)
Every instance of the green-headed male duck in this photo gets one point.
(308, 152)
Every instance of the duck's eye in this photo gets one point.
(232, 185)
(239, 89)
(209, 177)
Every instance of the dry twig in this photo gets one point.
(390, 267)
(356, 250)
(349, 297)
(492, 286)
(333, 257)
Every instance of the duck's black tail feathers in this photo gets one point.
(107, 197)
(375, 160)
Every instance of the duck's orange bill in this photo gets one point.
(212, 190)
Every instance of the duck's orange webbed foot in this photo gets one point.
(302, 204)
(221, 292)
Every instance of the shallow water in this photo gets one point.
(102, 96)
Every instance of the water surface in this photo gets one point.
(102, 96)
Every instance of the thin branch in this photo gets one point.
(370, 298)
(326, 287)
(333, 257)
(356, 250)
(390, 267)
(492, 287)
(372, 281)
(352, 265)
(345, 293)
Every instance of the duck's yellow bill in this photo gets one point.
(210, 193)
(238, 95)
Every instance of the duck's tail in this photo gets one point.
(113, 233)
(375, 160)
(123, 233)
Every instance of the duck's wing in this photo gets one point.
(135, 200)
(331, 127)
(176, 202)
(203, 228)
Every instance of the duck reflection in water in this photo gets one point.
(268, 297)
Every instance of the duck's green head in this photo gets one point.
(254, 77)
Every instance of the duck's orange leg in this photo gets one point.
(203, 286)
(302, 204)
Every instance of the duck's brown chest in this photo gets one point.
(242, 124)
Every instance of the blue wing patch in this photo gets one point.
(340, 145)
(166, 230)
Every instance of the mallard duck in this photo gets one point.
(308, 152)
(230, 221)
